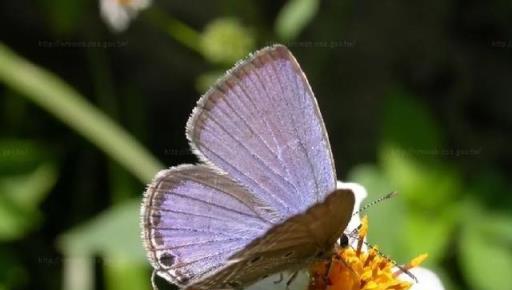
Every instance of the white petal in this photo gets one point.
(118, 15)
(360, 194)
(115, 15)
(140, 4)
(426, 279)
(300, 282)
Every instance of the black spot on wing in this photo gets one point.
(166, 260)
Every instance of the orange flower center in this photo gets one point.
(356, 269)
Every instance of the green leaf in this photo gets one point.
(294, 16)
(485, 263)
(429, 232)
(60, 99)
(206, 80)
(126, 275)
(397, 227)
(63, 16)
(15, 223)
(491, 187)
(26, 177)
(178, 30)
(114, 234)
(19, 156)
(225, 41)
(28, 190)
(499, 226)
(449, 280)
(12, 273)
(409, 125)
(426, 184)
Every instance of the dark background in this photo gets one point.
(416, 97)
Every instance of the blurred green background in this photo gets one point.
(416, 97)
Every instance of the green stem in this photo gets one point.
(177, 29)
(120, 182)
(65, 103)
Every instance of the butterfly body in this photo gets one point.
(264, 199)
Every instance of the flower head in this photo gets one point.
(119, 13)
(354, 269)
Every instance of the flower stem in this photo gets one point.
(177, 29)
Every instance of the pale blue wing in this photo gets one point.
(261, 125)
(194, 219)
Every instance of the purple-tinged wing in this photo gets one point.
(194, 219)
(261, 125)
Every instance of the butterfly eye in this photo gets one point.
(166, 259)
(256, 259)
(344, 241)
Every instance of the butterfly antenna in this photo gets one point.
(354, 235)
(378, 200)
(153, 283)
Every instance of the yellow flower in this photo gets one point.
(356, 269)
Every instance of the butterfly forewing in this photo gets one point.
(262, 126)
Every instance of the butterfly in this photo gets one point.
(263, 199)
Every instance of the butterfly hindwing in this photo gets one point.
(194, 219)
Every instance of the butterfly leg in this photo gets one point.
(326, 279)
(405, 271)
(338, 258)
(280, 278)
(291, 279)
